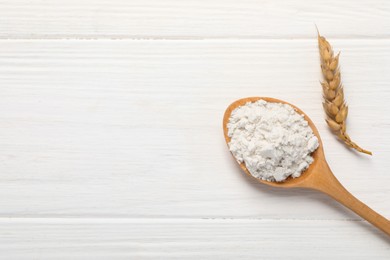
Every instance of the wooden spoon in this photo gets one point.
(318, 176)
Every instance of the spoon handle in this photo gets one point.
(329, 185)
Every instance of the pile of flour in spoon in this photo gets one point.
(272, 139)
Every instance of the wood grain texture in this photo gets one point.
(113, 149)
(192, 19)
(133, 128)
(189, 239)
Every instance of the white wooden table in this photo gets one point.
(111, 144)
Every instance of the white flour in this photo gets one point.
(272, 139)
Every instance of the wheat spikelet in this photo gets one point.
(334, 104)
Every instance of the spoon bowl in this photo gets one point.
(289, 182)
(318, 176)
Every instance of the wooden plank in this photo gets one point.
(133, 128)
(190, 239)
(193, 19)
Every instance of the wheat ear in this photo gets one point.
(334, 104)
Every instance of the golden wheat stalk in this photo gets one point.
(334, 104)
